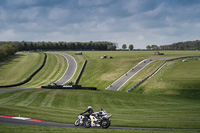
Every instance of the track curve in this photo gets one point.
(70, 71)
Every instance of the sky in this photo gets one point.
(137, 22)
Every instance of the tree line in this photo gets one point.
(7, 50)
(188, 45)
(27, 46)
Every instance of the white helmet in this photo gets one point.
(89, 107)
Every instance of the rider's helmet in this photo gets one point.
(101, 111)
(89, 107)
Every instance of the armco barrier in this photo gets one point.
(81, 72)
(159, 69)
(74, 87)
(30, 77)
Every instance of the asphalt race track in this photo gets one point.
(70, 71)
(123, 79)
(4, 120)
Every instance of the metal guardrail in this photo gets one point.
(135, 86)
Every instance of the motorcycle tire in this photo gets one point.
(77, 122)
(105, 124)
(87, 124)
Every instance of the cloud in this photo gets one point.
(6, 34)
(138, 22)
(58, 14)
(88, 3)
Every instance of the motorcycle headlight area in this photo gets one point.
(80, 116)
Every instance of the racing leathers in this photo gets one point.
(90, 111)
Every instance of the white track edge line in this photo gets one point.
(126, 72)
(133, 75)
(75, 68)
(67, 66)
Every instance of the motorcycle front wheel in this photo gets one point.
(77, 122)
(105, 123)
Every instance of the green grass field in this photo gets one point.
(151, 105)
(176, 78)
(101, 73)
(128, 109)
(20, 68)
(41, 129)
(53, 70)
(141, 75)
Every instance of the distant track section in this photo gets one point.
(30, 77)
(70, 71)
(158, 70)
(128, 75)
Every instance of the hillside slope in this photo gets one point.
(176, 78)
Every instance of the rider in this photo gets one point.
(89, 110)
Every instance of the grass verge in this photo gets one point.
(20, 68)
(128, 109)
(176, 78)
(53, 70)
(39, 129)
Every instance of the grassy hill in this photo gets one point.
(157, 109)
(53, 70)
(101, 73)
(20, 68)
(176, 78)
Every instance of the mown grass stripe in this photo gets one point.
(53, 72)
(43, 76)
(47, 102)
(31, 98)
(12, 97)
(20, 68)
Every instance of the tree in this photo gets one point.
(111, 47)
(7, 50)
(131, 47)
(148, 47)
(154, 47)
(124, 46)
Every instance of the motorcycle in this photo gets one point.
(80, 121)
(97, 119)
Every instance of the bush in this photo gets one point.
(7, 50)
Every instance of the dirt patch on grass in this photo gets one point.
(109, 76)
(172, 92)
